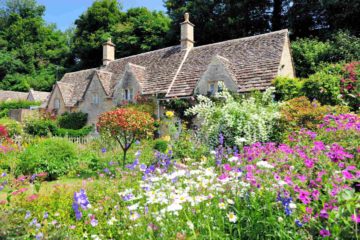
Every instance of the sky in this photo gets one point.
(64, 12)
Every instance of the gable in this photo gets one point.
(286, 66)
(219, 70)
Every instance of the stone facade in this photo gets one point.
(57, 96)
(286, 67)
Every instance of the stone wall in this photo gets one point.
(21, 115)
(127, 81)
(215, 72)
(51, 104)
(92, 109)
(286, 67)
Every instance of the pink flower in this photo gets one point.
(355, 218)
(315, 194)
(347, 174)
(227, 167)
(325, 233)
(302, 178)
(309, 163)
(304, 197)
(223, 176)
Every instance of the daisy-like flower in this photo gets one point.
(230, 201)
(232, 217)
(222, 205)
(111, 221)
(134, 216)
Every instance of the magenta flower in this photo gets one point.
(347, 174)
(304, 197)
(325, 233)
(324, 214)
(355, 218)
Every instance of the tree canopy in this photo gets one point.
(32, 53)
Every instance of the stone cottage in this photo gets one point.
(243, 64)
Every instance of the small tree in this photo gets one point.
(126, 125)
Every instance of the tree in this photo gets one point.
(93, 28)
(140, 31)
(126, 125)
(32, 53)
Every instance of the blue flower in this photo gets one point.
(3, 174)
(28, 214)
(46, 215)
(298, 223)
(103, 150)
(80, 200)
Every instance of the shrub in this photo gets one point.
(300, 113)
(350, 85)
(62, 132)
(54, 156)
(40, 127)
(126, 125)
(243, 121)
(324, 85)
(160, 145)
(15, 104)
(287, 88)
(74, 120)
(13, 127)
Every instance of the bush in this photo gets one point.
(13, 127)
(300, 113)
(62, 132)
(243, 121)
(54, 156)
(74, 120)
(40, 127)
(324, 85)
(160, 145)
(15, 104)
(287, 88)
(350, 85)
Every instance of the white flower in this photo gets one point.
(282, 183)
(222, 205)
(134, 216)
(190, 225)
(133, 207)
(232, 217)
(264, 164)
(280, 219)
(292, 205)
(174, 207)
(233, 159)
(111, 221)
(213, 152)
(230, 201)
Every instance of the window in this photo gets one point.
(128, 94)
(220, 87)
(96, 99)
(212, 89)
(56, 103)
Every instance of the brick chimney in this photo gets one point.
(187, 33)
(108, 52)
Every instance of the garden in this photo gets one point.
(279, 164)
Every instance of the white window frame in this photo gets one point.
(128, 94)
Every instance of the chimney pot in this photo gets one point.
(187, 33)
(108, 52)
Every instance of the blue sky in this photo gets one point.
(64, 12)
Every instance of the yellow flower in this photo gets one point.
(169, 114)
(167, 138)
(203, 159)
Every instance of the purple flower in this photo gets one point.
(28, 214)
(298, 223)
(103, 150)
(106, 170)
(39, 236)
(324, 214)
(325, 233)
(3, 174)
(93, 221)
(46, 215)
(80, 200)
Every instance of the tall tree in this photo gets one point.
(93, 27)
(140, 30)
(31, 51)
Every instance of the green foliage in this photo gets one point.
(32, 53)
(324, 85)
(73, 120)
(241, 122)
(13, 127)
(62, 132)
(40, 127)
(93, 28)
(160, 145)
(53, 156)
(139, 31)
(15, 104)
(310, 53)
(287, 88)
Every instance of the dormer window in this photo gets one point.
(56, 103)
(96, 99)
(128, 94)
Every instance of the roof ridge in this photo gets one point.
(84, 70)
(243, 38)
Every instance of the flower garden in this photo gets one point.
(255, 169)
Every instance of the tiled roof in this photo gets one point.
(39, 96)
(252, 62)
(12, 95)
